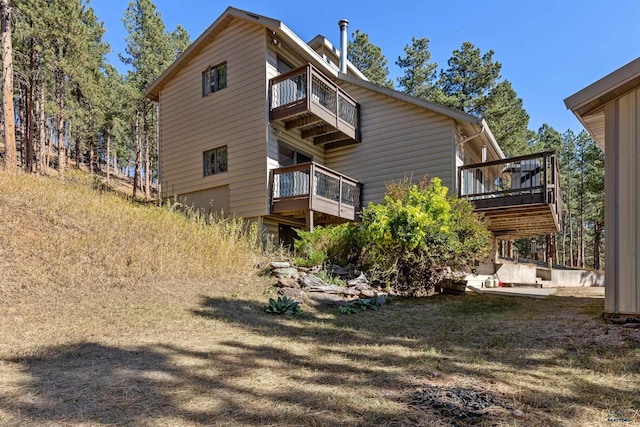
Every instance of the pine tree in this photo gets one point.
(507, 118)
(369, 59)
(150, 50)
(7, 88)
(470, 79)
(419, 74)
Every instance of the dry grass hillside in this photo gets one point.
(116, 313)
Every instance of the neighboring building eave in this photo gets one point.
(588, 104)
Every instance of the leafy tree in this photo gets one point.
(418, 73)
(369, 59)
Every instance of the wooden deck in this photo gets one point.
(520, 197)
(298, 190)
(304, 99)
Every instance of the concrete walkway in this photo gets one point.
(513, 292)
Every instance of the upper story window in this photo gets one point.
(215, 161)
(214, 78)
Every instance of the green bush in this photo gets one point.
(406, 242)
(326, 245)
(409, 239)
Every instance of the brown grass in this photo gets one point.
(185, 344)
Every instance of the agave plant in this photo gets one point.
(283, 305)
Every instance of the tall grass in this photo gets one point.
(67, 232)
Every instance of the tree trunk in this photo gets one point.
(108, 157)
(147, 157)
(41, 165)
(29, 135)
(10, 161)
(78, 153)
(136, 171)
(92, 142)
(59, 78)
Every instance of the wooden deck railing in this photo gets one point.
(312, 186)
(531, 178)
(307, 89)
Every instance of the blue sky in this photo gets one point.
(549, 49)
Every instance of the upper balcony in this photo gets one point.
(519, 196)
(309, 187)
(306, 100)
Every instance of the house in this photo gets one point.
(254, 122)
(610, 111)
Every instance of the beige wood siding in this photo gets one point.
(398, 140)
(210, 201)
(622, 220)
(235, 116)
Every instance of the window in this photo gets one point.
(214, 78)
(215, 161)
(287, 156)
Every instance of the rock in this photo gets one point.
(435, 374)
(294, 294)
(279, 264)
(631, 325)
(287, 282)
(318, 298)
(518, 413)
(285, 273)
(367, 293)
(382, 299)
(311, 281)
(619, 320)
(337, 270)
(359, 282)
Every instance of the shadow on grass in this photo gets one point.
(378, 357)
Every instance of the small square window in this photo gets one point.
(215, 161)
(214, 78)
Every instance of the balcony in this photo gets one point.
(300, 191)
(520, 196)
(306, 100)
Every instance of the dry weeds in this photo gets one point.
(181, 344)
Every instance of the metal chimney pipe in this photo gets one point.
(344, 24)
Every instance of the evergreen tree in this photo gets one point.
(419, 74)
(150, 50)
(507, 118)
(369, 59)
(7, 87)
(468, 83)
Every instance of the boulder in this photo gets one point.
(320, 298)
(287, 282)
(285, 273)
(294, 294)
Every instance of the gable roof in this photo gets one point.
(588, 104)
(279, 29)
(474, 125)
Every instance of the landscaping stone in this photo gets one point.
(294, 294)
(320, 298)
(285, 273)
(287, 282)
(301, 284)
(279, 264)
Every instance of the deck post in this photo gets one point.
(309, 220)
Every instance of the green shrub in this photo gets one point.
(324, 245)
(409, 239)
